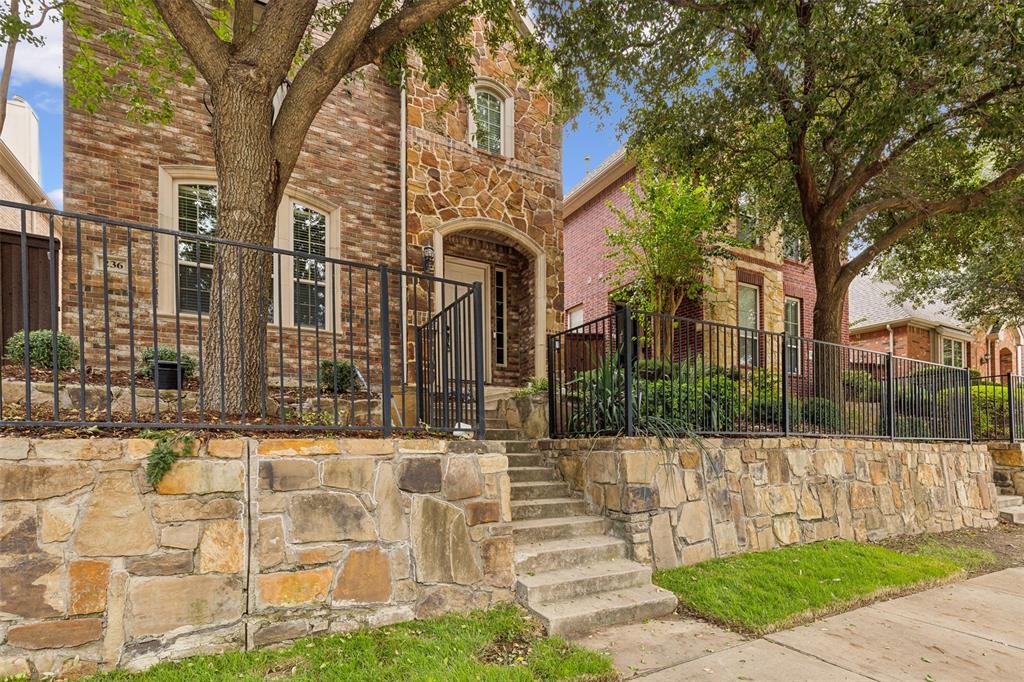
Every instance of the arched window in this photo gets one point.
(491, 127)
(488, 122)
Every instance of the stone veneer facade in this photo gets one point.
(682, 503)
(244, 543)
(351, 169)
(1008, 463)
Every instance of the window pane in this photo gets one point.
(197, 214)
(310, 305)
(488, 122)
(194, 288)
(499, 316)
(309, 234)
(793, 332)
(748, 319)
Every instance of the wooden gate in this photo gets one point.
(39, 294)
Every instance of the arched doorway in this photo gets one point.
(513, 268)
(1005, 361)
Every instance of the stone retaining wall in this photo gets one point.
(244, 543)
(1008, 467)
(681, 504)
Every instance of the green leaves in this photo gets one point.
(168, 448)
(666, 241)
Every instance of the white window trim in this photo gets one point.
(171, 176)
(799, 329)
(508, 115)
(284, 238)
(952, 340)
(751, 332)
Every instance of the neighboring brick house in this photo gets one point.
(19, 182)
(770, 283)
(384, 172)
(928, 332)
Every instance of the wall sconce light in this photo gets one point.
(428, 258)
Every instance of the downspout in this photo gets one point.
(892, 342)
(403, 249)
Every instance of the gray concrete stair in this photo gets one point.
(527, 474)
(574, 617)
(539, 530)
(539, 490)
(554, 555)
(1007, 501)
(582, 581)
(501, 434)
(548, 509)
(570, 571)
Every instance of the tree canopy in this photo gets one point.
(854, 124)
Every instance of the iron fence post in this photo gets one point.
(628, 371)
(1011, 404)
(385, 353)
(970, 408)
(785, 384)
(552, 431)
(890, 398)
(478, 358)
(418, 355)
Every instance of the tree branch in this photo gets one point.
(242, 25)
(397, 27)
(864, 210)
(960, 204)
(194, 33)
(276, 38)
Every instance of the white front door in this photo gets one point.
(470, 271)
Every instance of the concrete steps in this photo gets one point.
(538, 490)
(570, 571)
(1011, 508)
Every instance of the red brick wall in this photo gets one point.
(586, 264)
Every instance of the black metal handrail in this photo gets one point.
(633, 372)
(338, 362)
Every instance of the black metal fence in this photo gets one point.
(633, 372)
(170, 328)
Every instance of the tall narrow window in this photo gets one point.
(793, 335)
(309, 236)
(488, 122)
(746, 218)
(792, 247)
(953, 352)
(749, 316)
(500, 317)
(197, 214)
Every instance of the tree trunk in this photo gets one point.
(234, 338)
(829, 360)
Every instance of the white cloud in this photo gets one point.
(57, 196)
(43, 64)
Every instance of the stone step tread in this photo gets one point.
(549, 507)
(576, 545)
(1004, 501)
(554, 521)
(527, 474)
(596, 571)
(585, 614)
(540, 485)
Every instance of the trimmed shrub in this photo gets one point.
(912, 427)
(40, 349)
(859, 385)
(338, 377)
(167, 354)
(821, 413)
(762, 391)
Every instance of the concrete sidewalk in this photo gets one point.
(972, 630)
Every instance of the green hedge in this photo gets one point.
(40, 349)
(338, 377)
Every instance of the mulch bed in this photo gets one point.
(94, 376)
(1005, 541)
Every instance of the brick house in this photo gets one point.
(928, 332)
(19, 182)
(769, 286)
(385, 171)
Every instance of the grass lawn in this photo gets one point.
(497, 644)
(765, 591)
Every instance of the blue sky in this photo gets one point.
(38, 73)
